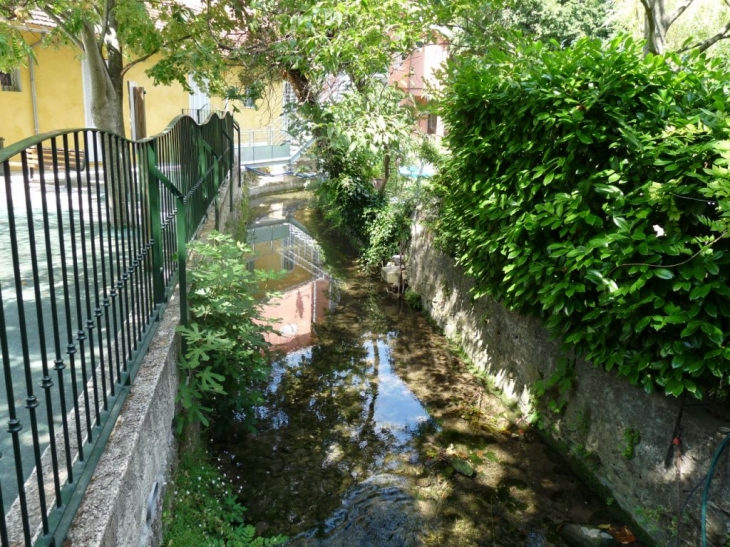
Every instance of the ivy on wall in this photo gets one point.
(589, 186)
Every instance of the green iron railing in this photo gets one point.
(93, 234)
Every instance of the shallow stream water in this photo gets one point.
(374, 433)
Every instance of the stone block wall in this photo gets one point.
(122, 506)
(617, 434)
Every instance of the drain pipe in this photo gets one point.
(33, 95)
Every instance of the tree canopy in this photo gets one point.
(114, 36)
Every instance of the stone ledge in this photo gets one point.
(139, 456)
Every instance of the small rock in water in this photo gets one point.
(577, 535)
(535, 539)
(460, 466)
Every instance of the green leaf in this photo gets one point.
(622, 224)
(663, 273)
(700, 291)
(713, 333)
(642, 323)
(712, 268)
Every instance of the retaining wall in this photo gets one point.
(122, 506)
(601, 414)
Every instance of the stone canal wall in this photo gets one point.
(122, 507)
(619, 436)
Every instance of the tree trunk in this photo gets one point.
(386, 173)
(655, 26)
(106, 83)
(657, 23)
(107, 113)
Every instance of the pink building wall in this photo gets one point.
(416, 72)
(294, 312)
(416, 75)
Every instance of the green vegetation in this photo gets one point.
(370, 133)
(632, 437)
(476, 26)
(413, 299)
(590, 188)
(561, 382)
(226, 357)
(201, 508)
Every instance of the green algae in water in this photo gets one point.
(460, 466)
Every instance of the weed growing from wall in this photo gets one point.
(201, 508)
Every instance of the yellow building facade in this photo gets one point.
(53, 92)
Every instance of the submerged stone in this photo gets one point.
(577, 535)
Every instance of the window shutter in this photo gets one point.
(88, 116)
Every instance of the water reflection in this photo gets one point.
(346, 456)
(397, 411)
(306, 292)
(336, 412)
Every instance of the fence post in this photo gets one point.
(182, 258)
(230, 171)
(153, 183)
(238, 152)
(217, 172)
(156, 178)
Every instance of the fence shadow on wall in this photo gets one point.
(93, 230)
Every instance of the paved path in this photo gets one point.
(39, 320)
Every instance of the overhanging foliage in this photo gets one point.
(588, 186)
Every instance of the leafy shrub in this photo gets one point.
(345, 203)
(362, 138)
(388, 228)
(226, 357)
(202, 508)
(589, 186)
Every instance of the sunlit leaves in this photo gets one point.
(628, 200)
(226, 350)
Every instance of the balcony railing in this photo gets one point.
(93, 234)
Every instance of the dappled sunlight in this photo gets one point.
(373, 426)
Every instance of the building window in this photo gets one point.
(432, 126)
(289, 96)
(10, 81)
(249, 100)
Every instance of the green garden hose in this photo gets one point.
(706, 491)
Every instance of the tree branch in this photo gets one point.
(78, 43)
(139, 60)
(706, 44)
(105, 21)
(679, 11)
(146, 56)
(702, 248)
(647, 8)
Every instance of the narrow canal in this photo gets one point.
(374, 433)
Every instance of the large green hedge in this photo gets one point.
(588, 186)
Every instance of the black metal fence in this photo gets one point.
(93, 231)
(202, 114)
